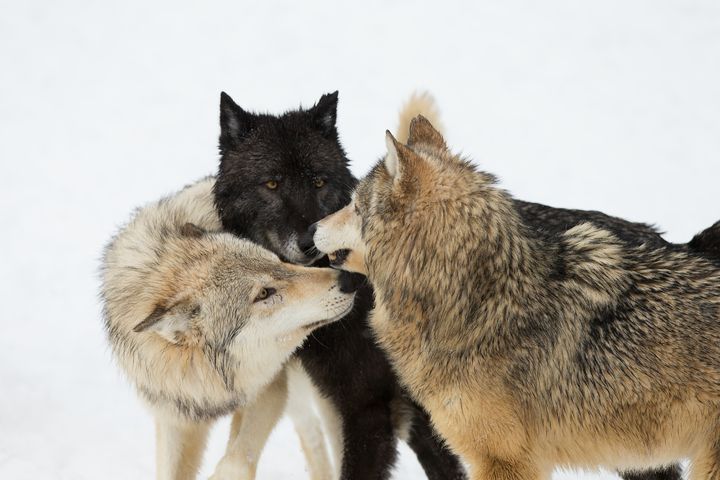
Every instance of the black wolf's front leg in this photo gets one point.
(435, 457)
(370, 444)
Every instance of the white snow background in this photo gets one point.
(611, 105)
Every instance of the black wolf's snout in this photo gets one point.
(306, 242)
(350, 281)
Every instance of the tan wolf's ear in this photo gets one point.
(398, 157)
(173, 323)
(422, 131)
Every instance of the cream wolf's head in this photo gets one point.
(224, 294)
(418, 195)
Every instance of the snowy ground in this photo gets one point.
(609, 105)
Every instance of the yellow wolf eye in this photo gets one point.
(271, 184)
(264, 294)
(318, 182)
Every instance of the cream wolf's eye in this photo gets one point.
(264, 294)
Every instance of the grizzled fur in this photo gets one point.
(278, 175)
(201, 321)
(534, 350)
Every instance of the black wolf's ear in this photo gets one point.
(398, 157)
(235, 123)
(173, 323)
(422, 131)
(325, 112)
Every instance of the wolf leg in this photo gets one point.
(706, 466)
(307, 423)
(670, 472)
(180, 446)
(493, 468)
(332, 421)
(250, 430)
(435, 457)
(370, 444)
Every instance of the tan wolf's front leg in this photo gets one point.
(492, 468)
(250, 429)
(707, 465)
(180, 446)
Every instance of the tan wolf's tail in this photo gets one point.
(419, 103)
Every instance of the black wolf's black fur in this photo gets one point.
(295, 150)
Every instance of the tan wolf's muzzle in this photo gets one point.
(340, 236)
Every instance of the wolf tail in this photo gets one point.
(419, 103)
(707, 242)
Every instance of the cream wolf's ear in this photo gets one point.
(173, 323)
(419, 103)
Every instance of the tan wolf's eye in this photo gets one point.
(264, 294)
(318, 182)
(271, 184)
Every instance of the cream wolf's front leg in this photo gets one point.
(302, 395)
(250, 429)
(180, 446)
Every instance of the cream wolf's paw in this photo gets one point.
(231, 468)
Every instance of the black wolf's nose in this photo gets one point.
(305, 242)
(312, 229)
(350, 281)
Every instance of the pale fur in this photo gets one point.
(179, 310)
(420, 103)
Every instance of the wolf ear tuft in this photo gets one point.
(172, 323)
(192, 230)
(422, 131)
(400, 159)
(391, 159)
(325, 112)
(235, 123)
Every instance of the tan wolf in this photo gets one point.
(202, 323)
(533, 349)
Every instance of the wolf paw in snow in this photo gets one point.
(232, 469)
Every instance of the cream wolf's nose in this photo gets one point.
(350, 282)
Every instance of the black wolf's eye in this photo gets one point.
(264, 294)
(271, 184)
(318, 182)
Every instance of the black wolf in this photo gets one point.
(278, 175)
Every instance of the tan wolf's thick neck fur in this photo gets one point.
(533, 351)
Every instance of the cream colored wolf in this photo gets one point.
(202, 323)
(533, 349)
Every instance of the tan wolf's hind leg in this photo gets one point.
(491, 468)
(180, 446)
(706, 466)
(249, 431)
(307, 423)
